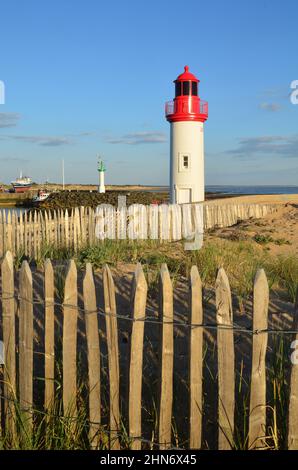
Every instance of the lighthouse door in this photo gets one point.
(183, 196)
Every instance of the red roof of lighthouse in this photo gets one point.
(186, 76)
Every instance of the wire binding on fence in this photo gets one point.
(153, 320)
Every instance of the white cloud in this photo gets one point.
(9, 119)
(137, 138)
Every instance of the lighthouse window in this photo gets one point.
(186, 88)
(185, 161)
(178, 89)
(194, 88)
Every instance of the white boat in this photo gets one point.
(41, 196)
(22, 184)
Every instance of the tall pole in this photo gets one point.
(63, 179)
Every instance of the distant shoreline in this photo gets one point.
(213, 192)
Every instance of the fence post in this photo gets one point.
(167, 358)
(9, 232)
(49, 334)
(136, 357)
(9, 340)
(26, 345)
(70, 316)
(257, 416)
(29, 226)
(195, 359)
(1, 234)
(93, 349)
(226, 361)
(113, 354)
(293, 397)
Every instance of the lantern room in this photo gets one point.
(187, 105)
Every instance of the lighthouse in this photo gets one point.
(187, 114)
(101, 170)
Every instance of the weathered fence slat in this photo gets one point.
(226, 361)
(195, 360)
(49, 334)
(9, 340)
(293, 396)
(93, 355)
(136, 357)
(70, 315)
(257, 416)
(77, 227)
(113, 354)
(167, 358)
(26, 345)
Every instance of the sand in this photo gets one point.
(260, 199)
(279, 231)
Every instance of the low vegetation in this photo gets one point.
(240, 259)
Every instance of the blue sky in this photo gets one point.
(89, 77)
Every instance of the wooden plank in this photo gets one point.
(4, 227)
(66, 229)
(187, 225)
(35, 235)
(121, 215)
(91, 226)
(139, 298)
(226, 362)
(43, 233)
(195, 360)
(153, 216)
(14, 226)
(78, 227)
(293, 396)
(9, 341)
(22, 234)
(18, 233)
(113, 355)
(29, 227)
(1, 234)
(164, 222)
(47, 235)
(82, 236)
(26, 345)
(257, 417)
(93, 349)
(140, 225)
(49, 334)
(58, 234)
(176, 221)
(99, 224)
(52, 228)
(109, 221)
(167, 358)
(70, 316)
(9, 232)
(55, 227)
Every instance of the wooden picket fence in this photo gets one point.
(18, 381)
(28, 233)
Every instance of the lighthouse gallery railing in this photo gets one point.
(187, 107)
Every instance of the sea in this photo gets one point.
(223, 189)
(18, 210)
(266, 189)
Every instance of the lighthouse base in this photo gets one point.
(187, 162)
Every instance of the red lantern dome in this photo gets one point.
(187, 105)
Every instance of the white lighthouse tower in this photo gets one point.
(187, 114)
(101, 170)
